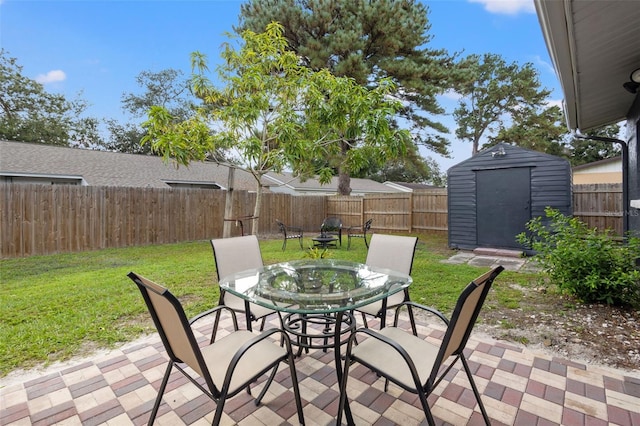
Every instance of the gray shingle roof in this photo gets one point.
(103, 168)
(286, 182)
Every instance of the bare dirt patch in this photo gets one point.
(589, 333)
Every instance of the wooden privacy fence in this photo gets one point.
(599, 205)
(42, 219)
(424, 211)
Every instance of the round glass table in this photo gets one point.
(317, 297)
(312, 286)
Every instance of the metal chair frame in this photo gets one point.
(290, 233)
(414, 363)
(332, 226)
(235, 353)
(359, 232)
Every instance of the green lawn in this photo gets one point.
(58, 306)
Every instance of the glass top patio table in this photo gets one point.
(317, 286)
(312, 286)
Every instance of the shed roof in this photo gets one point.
(505, 153)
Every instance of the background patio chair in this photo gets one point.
(289, 233)
(233, 255)
(394, 252)
(332, 226)
(359, 231)
(227, 366)
(413, 363)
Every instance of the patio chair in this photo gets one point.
(394, 252)
(332, 226)
(233, 255)
(225, 367)
(359, 232)
(289, 233)
(415, 364)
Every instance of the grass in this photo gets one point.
(58, 306)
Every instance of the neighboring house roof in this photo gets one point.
(286, 183)
(104, 168)
(608, 170)
(594, 46)
(608, 164)
(410, 186)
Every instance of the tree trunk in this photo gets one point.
(344, 183)
(474, 149)
(256, 211)
(228, 204)
(344, 179)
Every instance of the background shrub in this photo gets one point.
(584, 262)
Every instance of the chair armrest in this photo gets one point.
(214, 310)
(429, 309)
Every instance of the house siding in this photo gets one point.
(633, 130)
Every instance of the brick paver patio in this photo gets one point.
(518, 386)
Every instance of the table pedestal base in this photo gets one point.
(318, 331)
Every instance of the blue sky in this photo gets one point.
(97, 48)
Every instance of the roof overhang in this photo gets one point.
(594, 46)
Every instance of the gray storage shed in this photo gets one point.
(492, 195)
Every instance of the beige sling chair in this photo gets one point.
(413, 363)
(233, 255)
(394, 252)
(227, 366)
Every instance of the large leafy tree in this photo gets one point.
(545, 131)
(262, 114)
(369, 41)
(166, 88)
(352, 126)
(495, 93)
(29, 113)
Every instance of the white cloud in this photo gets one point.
(544, 64)
(507, 7)
(556, 102)
(52, 76)
(452, 94)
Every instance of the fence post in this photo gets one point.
(410, 218)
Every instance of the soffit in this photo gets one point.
(594, 46)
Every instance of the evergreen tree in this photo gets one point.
(585, 151)
(412, 167)
(369, 41)
(496, 93)
(542, 131)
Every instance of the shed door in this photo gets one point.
(503, 206)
